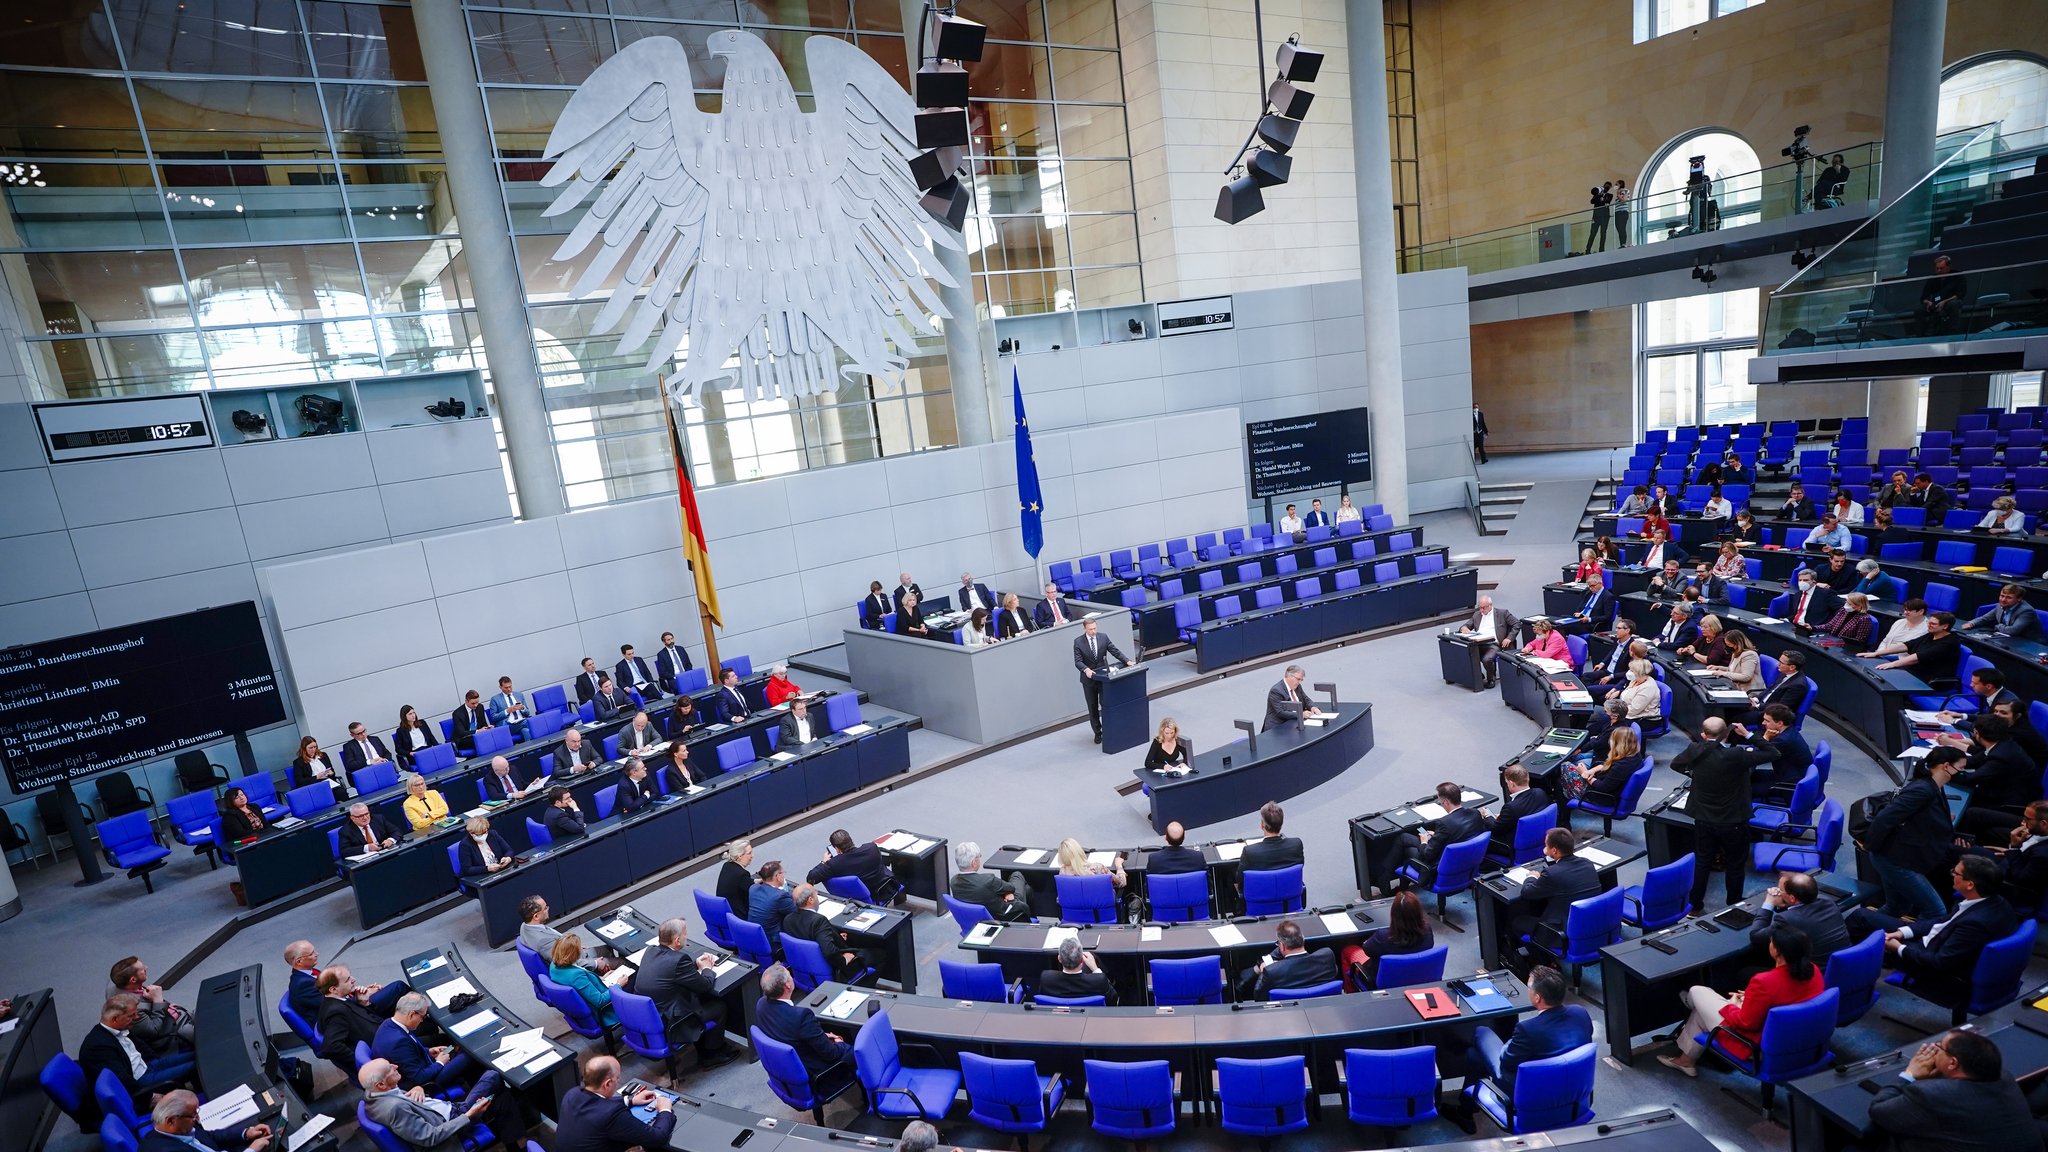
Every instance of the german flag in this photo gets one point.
(694, 548)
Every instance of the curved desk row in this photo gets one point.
(1333, 615)
(1372, 832)
(1696, 533)
(629, 933)
(1694, 695)
(1041, 866)
(26, 1046)
(231, 1048)
(1552, 698)
(539, 1068)
(1267, 557)
(1236, 778)
(1157, 626)
(1973, 588)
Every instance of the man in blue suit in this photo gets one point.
(1597, 613)
(797, 1026)
(419, 1066)
(1053, 609)
(1555, 1029)
(1316, 518)
(732, 702)
(671, 662)
(595, 1118)
(508, 707)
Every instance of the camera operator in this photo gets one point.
(1827, 187)
(1603, 196)
(1699, 195)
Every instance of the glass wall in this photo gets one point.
(1694, 361)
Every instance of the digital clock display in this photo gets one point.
(140, 434)
(128, 426)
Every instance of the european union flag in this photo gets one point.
(1030, 508)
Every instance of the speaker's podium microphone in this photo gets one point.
(1328, 688)
(1251, 737)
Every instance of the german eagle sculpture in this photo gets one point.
(775, 241)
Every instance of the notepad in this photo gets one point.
(1338, 923)
(441, 994)
(287, 822)
(1430, 811)
(1314, 721)
(920, 847)
(618, 976)
(1102, 859)
(1482, 996)
(640, 957)
(864, 921)
(309, 1128)
(1520, 875)
(229, 1110)
(516, 1048)
(857, 730)
(472, 1022)
(896, 841)
(1916, 716)
(1230, 851)
(983, 933)
(1575, 696)
(614, 930)
(830, 908)
(1059, 934)
(724, 966)
(1769, 620)
(843, 1005)
(1553, 750)
(1226, 935)
(1679, 804)
(545, 1061)
(1600, 858)
(1699, 672)
(693, 789)
(1032, 856)
(1729, 695)
(783, 757)
(1150, 934)
(1916, 752)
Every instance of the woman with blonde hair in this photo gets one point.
(1728, 565)
(1640, 698)
(735, 876)
(483, 851)
(1168, 750)
(1073, 861)
(1605, 780)
(424, 807)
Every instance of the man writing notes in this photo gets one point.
(1496, 628)
(632, 673)
(1093, 655)
(1286, 701)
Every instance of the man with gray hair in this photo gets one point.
(1076, 977)
(805, 922)
(797, 1026)
(175, 1127)
(107, 1046)
(1496, 629)
(684, 990)
(419, 1066)
(918, 1136)
(1006, 898)
(426, 1122)
(1287, 701)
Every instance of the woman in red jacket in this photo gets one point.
(779, 688)
(1794, 979)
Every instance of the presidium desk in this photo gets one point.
(985, 695)
(1234, 780)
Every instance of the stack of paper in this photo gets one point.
(725, 965)
(896, 841)
(1102, 859)
(857, 730)
(1549, 665)
(640, 957)
(426, 966)
(442, 993)
(1230, 851)
(1574, 696)
(618, 976)
(303, 1135)
(1430, 811)
(1769, 620)
(1917, 716)
(830, 909)
(1226, 935)
(1698, 672)
(864, 921)
(1555, 749)
(229, 1111)
(614, 930)
(983, 932)
(783, 757)
(843, 1005)
(1338, 923)
(517, 1048)
(1600, 859)
(1520, 875)
(1033, 856)
(472, 1022)
(1059, 934)
(1150, 933)
(920, 847)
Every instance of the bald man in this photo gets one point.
(1176, 857)
(595, 1118)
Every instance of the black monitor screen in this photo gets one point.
(1303, 453)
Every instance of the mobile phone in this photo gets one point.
(745, 1134)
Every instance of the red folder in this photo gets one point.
(1430, 1003)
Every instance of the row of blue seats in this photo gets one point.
(1149, 560)
(1187, 611)
(2006, 559)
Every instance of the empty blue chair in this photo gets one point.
(550, 698)
(1455, 871)
(894, 1090)
(1267, 598)
(1196, 980)
(1209, 581)
(792, 1083)
(609, 747)
(1010, 1096)
(1386, 571)
(1590, 925)
(2012, 561)
(1424, 967)
(1087, 899)
(1331, 988)
(1228, 606)
(374, 777)
(1131, 597)
(116, 1136)
(531, 963)
(1179, 896)
(751, 941)
(842, 711)
(1794, 1044)
(1131, 1101)
(537, 833)
(1940, 597)
(63, 1082)
(545, 724)
(1062, 573)
(1318, 534)
(1663, 897)
(1263, 1098)
(491, 741)
(191, 818)
(1233, 538)
(115, 1103)
(1350, 528)
(1529, 833)
(314, 797)
(1552, 1093)
(307, 1032)
(129, 841)
(1285, 564)
(644, 1031)
(1346, 580)
(1856, 974)
(1954, 552)
(965, 980)
(1797, 810)
(1187, 619)
(1390, 1087)
(1274, 891)
(1360, 549)
(1123, 565)
(1069, 1001)
(1247, 573)
(1324, 557)
(1205, 541)
(1400, 541)
(1800, 849)
(1995, 982)
(1172, 589)
(1433, 562)
(735, 754)
(427, 761)
(965, 915)
(1312, 587)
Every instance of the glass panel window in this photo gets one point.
(80, 205)
(724, 12)
(85, 292)
(707, 72)
(1009, 72)
(1085, 75)
(1011, 131)
(1007, 19)
(232, 121)
(417, 275)
(2013, 92)
(59, 34)
(219, 37)
(126, 365)
(817, 14)
(381, 121)
(363, 41)
(267, 285)
(538, 48)
(53, 116)
(1735, 188)
(878, 16)
(387, 201)
(292, 354)
(1670, 390)
(1726, 395)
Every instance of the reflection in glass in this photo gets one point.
(53, 115)
(363, 41)
(85, 292)
(537, 48)
(416, 275)
(59, 34)
(221, 37)
(381, 121)
(79, 205)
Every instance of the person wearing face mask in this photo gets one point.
(483, 852)
(1813, 605)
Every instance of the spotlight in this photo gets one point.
(940, 84)
(942, 128)
(1239, 200)
(931, 169)
(1289, 101)
(1704, 273)
(1278, 131)
(449, 409)
(956, 38)
(1269, 168)
(1298, 65)
(948, 202)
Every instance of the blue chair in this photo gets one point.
(1623, 805)
(191, 818)
(605, 802)
(644, 1031)
(262, 791)
(735, 754)
(491, 741)
(1552, 1093)
(115, 1105)
(129, 842)
(537, 833)
(1390, 1087)
(1267, 598)
(1329, 988)
(1346, 580)
(1803, 849)
(1010, 1096)
(1529, 833)
(751, 941)
(609, 747)
(1179, 896)
(1662, 724)
(713, 910)
(313, 798)
(63, 1082)
(1856, 974)
(307, 1032)
(1425, 967)
(576, 1013)
(545, 724)
(428, 761)
(1274, 891)
(116, 1136)
(849, 888)
(1994, 982)
(1386, 572)
(1131, 1101)
(1061, 573)
(375, 777)
(1087, 899)
(808, 964)
(965, 915)
(1310, 588)
(1940, 597)
(1263, 1098)
(1794, 1044)
(895, 1091)
(1069, 1001)
(960, 980)
(1662, 899)
(1456, 870)
(551, 698)
(2012, 561)
(1196, 980)
(532, 964)
(1795, 808)
(793, 1084)
(1589, 925)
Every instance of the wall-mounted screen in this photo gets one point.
(1303, 453)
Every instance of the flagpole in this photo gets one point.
(712, 664)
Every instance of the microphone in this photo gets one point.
(1637, 1122)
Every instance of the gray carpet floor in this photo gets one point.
(1037, 791)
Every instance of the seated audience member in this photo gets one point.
(1606, 676)
(1838, 575)
(1743, 668)
(1845, 507)
(638, 735)
(1589, 565)
(1987, 686)
(905, 586)
(797, 1026)
(1608, 551)
(2004, 518)
(501, 784)
(109, 1046)
(423, 806)
(1797, 901)
(1598, 610)
(1426, 848)
(672, 661)
(535, 934)
(2024, 855)
(174, 1127)
(910, 618)
(1706, 585)
(1604, 779)
(1347, 511)
(1271, 850)
(1073, 860)
(1169, 749)
(1831, 535)
(160, 1027)
(1717, 506)
(2014, 711)
(433, 1068)
(861, 860)
(1744, 529)
(564, 819)
(634, 675)
(1668, 503)
(1611, 714)
(576, 755)
(2011, 616)
(1934, 656)
(1053, 609)
(595, 1118)
(1553, 1030)
(469, 719)
(1911, 624)
(1075, 976)
(1812, 602)
(1897, 493)
(431, 1124)
(1938, 957)
(364, 834)
(1852, 623)
(303, 962)
(1289, 965)
(779, 688)
(1407, 932)
(1011, 621)
(768, 900)
(1728, 563)
(1956, 1095)
(1790, 689)
(589, 682)
(509, 708)
(362, 749)
(684, 990)
(1871, 580)
(414, 734)
(1638, 502)
(610, 700)
(1680, 629)
(732, 699)
(1521, 800)
(1881, 522)
(877, 605)
(1794, 755)
(1641, 699)
(1711, 648)
(677, 777)
(1547, 643)
(1176, 858)
(565, 967)
(1796, 505)
(736, 875)
(1005, 898)
(798, 728)
(2001, 780)
(1498, 629)
(1547, 897)
(805, 922)
(1292, 525)
(1793, 978)
(345, 1019)
(1668, 581)
(483, 852)
(314, 767)
(684, 718)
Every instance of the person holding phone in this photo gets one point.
(425, 1121)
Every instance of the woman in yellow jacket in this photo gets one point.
(423, 806)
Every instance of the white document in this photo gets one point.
(1520, 875)
(864, 921)
(724, 966)
(1538, 616)
(843, 1005)
(920, 847)
(1058, 934)
(1917, 716)
(897, 841)
(472, 1022)
(287, 822)
(1314, 721)
(693, 789)
(517, 1048)
(1430, 811)
(1698, 672)
(7, 1026)
(313, 1126)
(617, 976)
(1600, 858)
(1916, 752)
(1555, 749)
(1549, 665)
(783, 757)
(1769, 620)
(230, 1110)
(1150, 933)
(1032, 856)
(1729, 695)
(441, 994)
(983, 933)
(1230, 851)
(1679, 804)
(1226, 934)
(1574, 696)
(614, 930)
(1468, 796)
(546, 1061)
(830, 909)
(1102, 859)
(473, 813)
(639, 958)
(426, 966)
(857, 730)
(1338, 923)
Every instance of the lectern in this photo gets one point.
(1126, 711)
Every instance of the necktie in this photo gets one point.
(1057, 616)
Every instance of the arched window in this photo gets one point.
(1732, 164)
(2011, 88)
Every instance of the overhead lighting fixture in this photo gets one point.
(1262, 161)
(945, 44)
(1298, 65)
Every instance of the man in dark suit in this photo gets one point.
(862, 860)
(1006, 898)
(1522, 800)
(1052, 610)
(564, 820)
(904, 586)
(1931, 496)
(797, 1026)
(2001, 779)
(1546, 897)
(1713, 589)
(1610, 674)
(433, 1068)
(345, 1018)
(1797, 900)
(174, 1127)
(108, 1046)
(2025, 856)
(671, 662)
(610, 700)
(1680, 629)
(1794, 754)
(1719, 805)
(805, 922)
(1939, 958)
(971, 595)
(1457, 824)
(1796, 505)
(1176, 858)
(877, 605)
(731, 704)
(632, 672)
(1790, 690)
(1497, 628)
(1271, 850)
(1316, 518)
(1075, 977)
(1289, 965)
(589, 682)
(1596, 614)
(1669, 581)
(576, 754)
(501, 783)
(469, 720)
(1554, 1029)
(1286, 701)
(798, 727)
(683, 989)
(595, 1118)
(1093, 656)
(363, 834)
(1957, 1096)
(362, 750)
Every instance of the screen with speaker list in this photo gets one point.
(83, 705)
(1303, 453)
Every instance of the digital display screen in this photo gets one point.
(83, 705)
(78, 430)
(1303, 453)
(141, 434)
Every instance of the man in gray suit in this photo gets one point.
(1093, 654)
(1286, 701)
(1959, 1098)
(1006, 900)
(683, 990)
(429, 1122)
(1798, 901)
(1497, 628)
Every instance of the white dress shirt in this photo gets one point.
(803, 730)
(1903, 631)
(1965, 906)
(369, 753)
(1290, 524)
(1485, 626)
(136, 1063)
